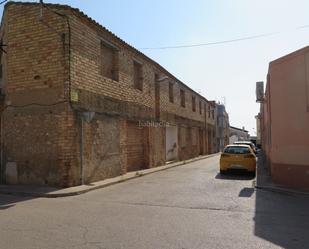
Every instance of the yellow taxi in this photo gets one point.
(238, 156)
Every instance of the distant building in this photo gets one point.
(222, 127)
(238, 134)
(211, 118)
(285, 119)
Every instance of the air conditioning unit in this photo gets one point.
(259, 91)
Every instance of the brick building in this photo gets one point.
(222, 126)
(211, 127)
(78, 104)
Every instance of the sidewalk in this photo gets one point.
(50, 192)
(264, 181)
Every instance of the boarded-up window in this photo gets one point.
(193, 104)
(138, 75)
(108, 61)
(182, 98)
(171, 91)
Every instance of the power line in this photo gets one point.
(222, 42)
(3, 2)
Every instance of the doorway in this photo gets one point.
(171, 143)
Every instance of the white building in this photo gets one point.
(237, 134)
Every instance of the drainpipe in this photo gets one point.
(1, 148)
(81, 150)
(41, 10)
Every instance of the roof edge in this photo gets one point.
(289, 56)
(83, 15)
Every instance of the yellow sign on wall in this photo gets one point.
(74, 96)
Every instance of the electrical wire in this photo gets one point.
(3, 2)
(222, 42)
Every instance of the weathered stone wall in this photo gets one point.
(101, 148)
(38, 126)
(40, 142)
(45, 69)
(119, 97)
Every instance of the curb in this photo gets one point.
(282, 190)
(82, 189)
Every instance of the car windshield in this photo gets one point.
(237, 150)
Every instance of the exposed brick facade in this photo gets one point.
(62, 66)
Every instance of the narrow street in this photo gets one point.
(186, 207)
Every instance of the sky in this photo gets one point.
(223, 72)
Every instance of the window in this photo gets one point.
(208, 111)
(171, 91)
(213, 114)
(109, 57)
(138, 75)
(200, 106)
(237, 150)
(193, 104)
(182, 98)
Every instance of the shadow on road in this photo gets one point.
(282, 219)
(246, 192)
(8, 201)
(235, 175)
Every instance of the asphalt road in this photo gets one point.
(186, 207)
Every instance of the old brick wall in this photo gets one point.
(38, 126)
(175, 107)
(39, 141)
(157, 147)
(86, 44)
(102, 148)
(118, 96)
(192, 118)
(45, 66)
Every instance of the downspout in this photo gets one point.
(206, 134)
(81, 150)
(1, 148)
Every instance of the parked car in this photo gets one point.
(238, 156)
(247, 143)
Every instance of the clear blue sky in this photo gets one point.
(226, 70)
